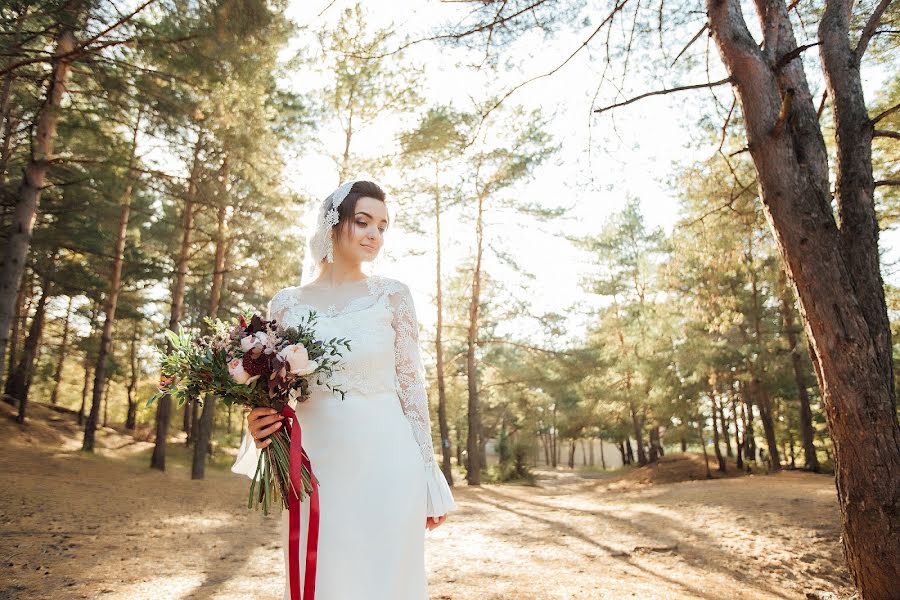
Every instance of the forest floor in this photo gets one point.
(106, 526)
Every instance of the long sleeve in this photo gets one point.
(248, 453)
(413, 395)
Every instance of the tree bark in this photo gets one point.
(19, 240)
(835, 271)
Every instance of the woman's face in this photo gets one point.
(363, 238)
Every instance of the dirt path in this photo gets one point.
(105, 526)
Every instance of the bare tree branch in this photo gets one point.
(869, 29)
(886, 133)
(690, 43)
(82, 47)
(681, 88)
(618, 7)
(886, 113)
(458, 35)
(793, 54)
(822, 104)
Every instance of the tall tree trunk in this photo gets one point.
(757, 366)
(14, 339)
(19, 241)
(106, 387)
(202, 443)
(835, 271)
(636, 423)
(703, 446)
(603, 456)
(747, 416)
(164, 405)
(738, 440)
(654, 444)
(473, 472)
(112, 298)
(554, 433)
(715, 427)
(17, 385)
(61, 359)
(204, 434)
(725, 433)
(764, 402)
(439, 335)
(806, 424)
(131, 415)
(791, 448)
(95, 313)
(194, 430)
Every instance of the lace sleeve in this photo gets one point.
(413, 396)
(248, 453)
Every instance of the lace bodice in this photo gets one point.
(375, 314)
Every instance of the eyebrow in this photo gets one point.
(370, 216)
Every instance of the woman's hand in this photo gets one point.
(262, 421)
(434, 522)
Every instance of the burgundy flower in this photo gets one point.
(256, 366)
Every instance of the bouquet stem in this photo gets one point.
(273, 476)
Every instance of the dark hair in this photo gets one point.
(347, 208)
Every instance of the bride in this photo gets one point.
(380, 487)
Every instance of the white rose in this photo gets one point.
(298, 360)
(247, 342)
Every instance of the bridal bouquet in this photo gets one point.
(254, 362)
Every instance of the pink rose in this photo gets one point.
(237, 372)
(297, 359)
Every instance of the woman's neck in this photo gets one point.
(335, 274)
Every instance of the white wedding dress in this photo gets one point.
(372, 451)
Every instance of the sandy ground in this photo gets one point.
(106, 526)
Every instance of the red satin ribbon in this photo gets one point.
(298, 458)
